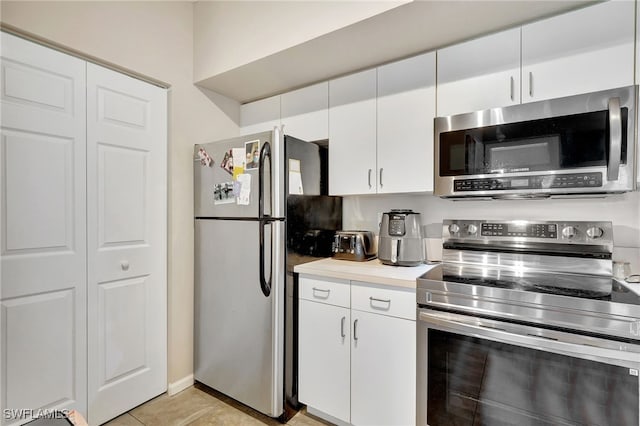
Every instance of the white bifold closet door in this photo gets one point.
(43, 350)
(126, 207)
(83, 202)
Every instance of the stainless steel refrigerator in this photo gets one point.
(251, 227)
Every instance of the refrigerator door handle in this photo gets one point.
(265, 152)
(265, 285)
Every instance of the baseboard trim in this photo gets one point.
(180, 385)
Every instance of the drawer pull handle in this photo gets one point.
(321, 290)
(374, 299)
(342, 327)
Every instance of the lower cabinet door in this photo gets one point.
(383, 370)
(324, 358)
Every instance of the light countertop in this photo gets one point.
(372, 271)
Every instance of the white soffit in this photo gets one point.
(404, 31)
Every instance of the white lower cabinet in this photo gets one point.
(357, 366)
(324, 358)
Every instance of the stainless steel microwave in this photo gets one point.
(578, 145)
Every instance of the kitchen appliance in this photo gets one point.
(400, 241)
(354, 245)
(523, 323)
(251, 228)
(578, 145)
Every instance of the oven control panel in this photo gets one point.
(533, 230)
(562, 232)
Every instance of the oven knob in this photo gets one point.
(454, 229)
(595, 232)
(472, 229)
(569, 232)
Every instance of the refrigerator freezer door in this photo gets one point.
(213, 183)
(238, 342)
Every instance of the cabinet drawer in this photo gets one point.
(325, 290)
(377, 299)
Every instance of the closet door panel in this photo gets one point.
(43, 229)
(126, 157)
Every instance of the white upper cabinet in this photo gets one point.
(260, 116)
(479, 74)
(406, 108)
(305, 112)
(352, 134)
(583, 51)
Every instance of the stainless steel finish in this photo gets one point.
(381, 185)
(598, 101)
(355, 330)
(369, 178)
(374, 299)
(615, 139)
(400, 241)
(454, 229)
(586, 315)
(278, 173)
(574, 345)
(569, 232)
(511, 88)
(546, 287)
(277, 316)
(205, 179)
(354, 245)
(342, 321)
(580, 238)
(595, 232)
(530, 84)
(216, 293)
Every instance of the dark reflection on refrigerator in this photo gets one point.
(475, 382)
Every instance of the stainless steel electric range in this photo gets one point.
(523, 323)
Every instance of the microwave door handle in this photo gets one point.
(615, 139)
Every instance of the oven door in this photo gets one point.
(577, 144)
(477, 371)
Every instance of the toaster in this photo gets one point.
(353, 245)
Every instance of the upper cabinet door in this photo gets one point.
(305, 112)
(579, 52)
(352, 134)
(479, 74)
(260, 116)
(406, 108)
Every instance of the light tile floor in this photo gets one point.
(200, 406)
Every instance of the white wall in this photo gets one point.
(257, 29)
(154, 39)
(362, 212)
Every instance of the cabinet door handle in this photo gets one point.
(355, 330)
(342, 327)
(381, 177)
(530, 84)
(369, 178)
(512, 87)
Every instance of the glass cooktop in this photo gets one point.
(602, 288)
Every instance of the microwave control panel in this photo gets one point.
(560, 181)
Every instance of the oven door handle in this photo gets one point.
(615, 140)
(628, 355)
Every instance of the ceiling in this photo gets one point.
(413, 28)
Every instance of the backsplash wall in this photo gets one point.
(363, 212)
